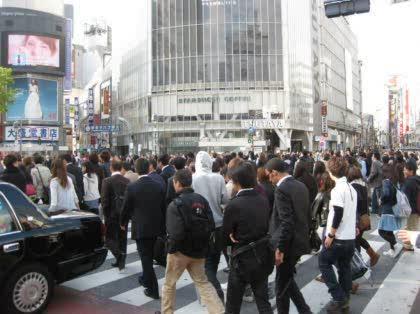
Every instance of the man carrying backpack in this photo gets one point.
(112, 198)
(189, 224)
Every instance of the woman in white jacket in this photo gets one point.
(63, 194)
(91, 185)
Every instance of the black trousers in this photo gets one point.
(236, 289)
(116, 239)
(145, 249)
(389, 237)
(287, 289)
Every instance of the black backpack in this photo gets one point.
(198, 221)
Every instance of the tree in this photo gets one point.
(7, 92)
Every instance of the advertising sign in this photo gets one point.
(102, 128)
(32, 133)
(76, 113)
(36, 100)
(324, 120)
(106, 99)
(67, 111)
(262, 124)
(32, 50)
(91, 107)
(68, 61)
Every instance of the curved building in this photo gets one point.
(226, 75)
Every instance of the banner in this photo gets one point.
(67, 111)
(76, 113)
(32, 133)
(91, 107)
(69, 49)
(324, 120)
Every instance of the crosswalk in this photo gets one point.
(393, 286)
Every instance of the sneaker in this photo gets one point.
(248, 295)
(334, 307)
(390, 253)
(398, 249)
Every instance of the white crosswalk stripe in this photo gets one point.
(396, 294)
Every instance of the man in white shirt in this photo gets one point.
(340, 234)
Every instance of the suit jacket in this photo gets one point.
(291, 218)
(78, 175)
(14, 176)
(170, 191)
(144, 205)
(159, 179)
(112, 186)
(168, 172)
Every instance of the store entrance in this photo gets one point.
(273, 140)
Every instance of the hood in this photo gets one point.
(91, 179)
(203, 162)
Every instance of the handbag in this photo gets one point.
(46, 190)
(30, 189)
(364, 222)
(358, 266)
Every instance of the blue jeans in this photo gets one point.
(93, 206)
(339, 254)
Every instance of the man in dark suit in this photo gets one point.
(144, 205)
(167, 169)
(78, 176)
(155, 176)
(112, 199)
(179, 164)
(289, 230)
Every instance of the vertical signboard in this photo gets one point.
(68, 54)
(67, 111)
(324, 121)
(91, 107)
(76, 113)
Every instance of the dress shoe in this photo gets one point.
(150, 294)
(121, 261)
(338, 307)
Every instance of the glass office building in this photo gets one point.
(209, 72)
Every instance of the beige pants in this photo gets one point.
(176, 264)
(413, 224)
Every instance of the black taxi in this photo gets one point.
(38, 251)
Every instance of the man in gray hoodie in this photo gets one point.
(212, 187)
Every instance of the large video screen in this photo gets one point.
(33, 50)
(36, 100)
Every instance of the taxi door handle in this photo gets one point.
(12, 247)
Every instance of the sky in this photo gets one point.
(387, 39)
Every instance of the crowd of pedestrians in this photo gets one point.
(262, 212)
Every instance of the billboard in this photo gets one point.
(32, 133)
(36, 100)
(33, 50)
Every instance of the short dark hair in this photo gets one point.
(377, 155)
(354, 173)
(9, 160)
(94, 158)
(116, 165)
(183, 177)
(179, 163)
(105, 156)
(385, 159)
(153, 163)
(38, 159)
(67, 158)
(278, 165)
(411, 166)
(126, 166)
(338, 166)
(245, 175)
(164, 159)
(142, 166)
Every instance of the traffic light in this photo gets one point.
(335, 8)
(39, 141)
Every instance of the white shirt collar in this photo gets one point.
(243, 190)
(144, 175)
(115, 173)
(283, 179)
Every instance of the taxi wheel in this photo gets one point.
(28, 289)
